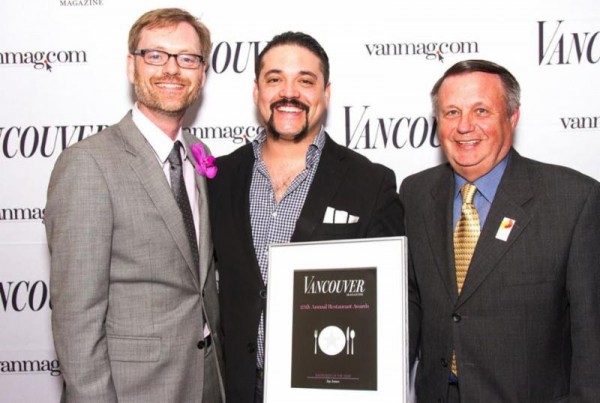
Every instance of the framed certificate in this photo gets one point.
(337, 322)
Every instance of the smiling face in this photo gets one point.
(291, 94)
(474, 127)
(166, 90)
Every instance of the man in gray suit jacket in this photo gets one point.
(135, 308)
(524, 325)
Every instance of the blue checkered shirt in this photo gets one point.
(274, 222)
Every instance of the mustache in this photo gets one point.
(171, 78)
(289, 102)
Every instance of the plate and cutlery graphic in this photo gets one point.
(331, 340)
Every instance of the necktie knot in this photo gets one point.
(468, 193)
(174, 157)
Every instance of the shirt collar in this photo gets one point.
(487, 185)
(159, 141)
(311, 154)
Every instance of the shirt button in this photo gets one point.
(274, 214)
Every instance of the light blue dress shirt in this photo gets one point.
(487, 186)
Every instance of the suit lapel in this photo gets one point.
(205, 247)
(238, 198)
(241, 204)
(144, 163)
(328, 177)
(513, 192)
(438, 224)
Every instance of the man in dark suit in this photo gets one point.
(293, 183)
(518, 319)
(135, 309)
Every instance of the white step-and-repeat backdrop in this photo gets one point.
(62, 78)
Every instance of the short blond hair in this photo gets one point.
(164, 17)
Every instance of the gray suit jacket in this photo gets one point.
(526, 327)
(127, 302)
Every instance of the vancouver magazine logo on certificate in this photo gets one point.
(334, 331)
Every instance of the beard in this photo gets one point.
(302, 133)
(157, 102)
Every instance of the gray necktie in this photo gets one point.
(180, 193)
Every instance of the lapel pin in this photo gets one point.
(506, 226)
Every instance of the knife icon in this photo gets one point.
(348, 340)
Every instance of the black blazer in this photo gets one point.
(526, 327)
(345, 180)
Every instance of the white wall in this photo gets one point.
(551, 46)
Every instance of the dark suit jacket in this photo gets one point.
(526, 327)
(344, 180)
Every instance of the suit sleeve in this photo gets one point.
(583, 287)
(388, 216)
(79, 230)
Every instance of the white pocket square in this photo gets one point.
(333, 216)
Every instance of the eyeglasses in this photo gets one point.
(160, 58)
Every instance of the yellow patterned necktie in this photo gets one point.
(466, 235)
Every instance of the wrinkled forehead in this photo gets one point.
(472, 86)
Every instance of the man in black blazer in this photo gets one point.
(293, 183)
(525, 326)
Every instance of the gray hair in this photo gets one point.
(512, 90)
